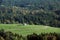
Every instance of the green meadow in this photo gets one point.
(28, 29)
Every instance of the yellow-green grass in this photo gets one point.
(28, 29)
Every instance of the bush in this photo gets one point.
(11, 36)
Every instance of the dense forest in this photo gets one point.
(38, 12)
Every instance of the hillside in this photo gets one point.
(38, 12)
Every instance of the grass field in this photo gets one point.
(28, 29)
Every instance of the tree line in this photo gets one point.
(16, 15)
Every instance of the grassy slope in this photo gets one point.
(28, 29)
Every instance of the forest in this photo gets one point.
(32, 12)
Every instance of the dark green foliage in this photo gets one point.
(37, 17)
(9, 35)
(0, 2)
(40, 12)
(43, 36)
(46, 36)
